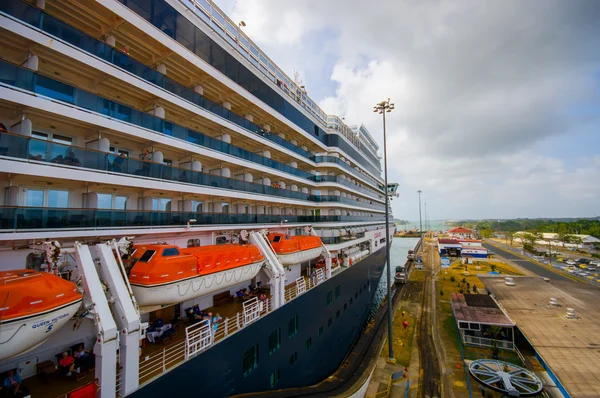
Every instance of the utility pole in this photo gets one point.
(382, 108)
(420, 222)
(426, 225)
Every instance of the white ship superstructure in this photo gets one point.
(161, 121)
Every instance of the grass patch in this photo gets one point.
(470, 274)
(403, 339)
(449, 326)
(417, 275)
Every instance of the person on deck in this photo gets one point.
(67, 364)
(215, 322)
(83, 359)
(13, 383)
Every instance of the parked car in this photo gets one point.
(570, 262)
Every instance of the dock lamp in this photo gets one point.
(382, 108)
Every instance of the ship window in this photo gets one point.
(193, 243)
(337, 292)
(345, 306)
(274, 341)
(147, 256)
(360, 291)
(293, 359)
(58, 198)
(293, 326)
(337, 314)
(287, 237)
(170, 251)
(320, 332)
(250, 359)
(277, 239)
(329, 322)
(309, 343)
(34, 198)
(329, 298)
(274, 378)
(356, 295)
(350, 300)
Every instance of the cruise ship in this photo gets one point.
(178, 216)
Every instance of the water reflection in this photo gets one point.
(398, 253)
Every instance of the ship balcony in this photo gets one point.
(23, 218)
(353, 185)
(39, 84)
(68, 156)
(48, 23)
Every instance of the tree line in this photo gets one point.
(535, 226)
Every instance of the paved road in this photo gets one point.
(528, 265)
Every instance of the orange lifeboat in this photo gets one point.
(167, 274)
(33, 306)
(295, 249)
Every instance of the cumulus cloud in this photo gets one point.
(479, 87)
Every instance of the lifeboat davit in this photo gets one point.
(33, 306)
(295, 249)
(167, 274)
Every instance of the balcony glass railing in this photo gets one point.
(349, 184)
(40, 84)
(39, 19)
(352, 202)
(346, 166)
(25, 218)
(22, 147)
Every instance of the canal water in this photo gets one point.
(398, 253)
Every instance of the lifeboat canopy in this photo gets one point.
(160, 264)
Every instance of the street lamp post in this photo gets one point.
(382, 108)
(420, 222)
(426, 225)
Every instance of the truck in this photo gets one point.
(402, 274)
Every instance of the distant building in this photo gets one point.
(461, 233)
(475, 314)
(449, 247)
(470, 242)
(470, 253)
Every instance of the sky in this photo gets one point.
(497, 102)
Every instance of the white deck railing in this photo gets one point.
(201, 336)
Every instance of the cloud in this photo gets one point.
(480, 89)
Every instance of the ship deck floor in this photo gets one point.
(55, 385)
(228, 310)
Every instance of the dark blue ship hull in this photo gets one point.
(218, 372)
